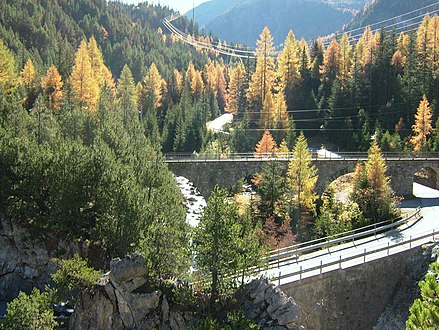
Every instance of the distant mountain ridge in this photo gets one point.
(379, 10)
(242, 21)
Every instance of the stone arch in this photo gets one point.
(326, 178)
(427, 176)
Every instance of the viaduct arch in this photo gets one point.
(206, 173)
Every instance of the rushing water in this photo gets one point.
(194, 202)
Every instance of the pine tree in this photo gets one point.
(266, 146)
(84, 85)
(301, 179)
(263, 78)
(424, 313)
(126, 91)
(52, 84)
(422, 127)
(219, 243)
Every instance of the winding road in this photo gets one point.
(352, 253)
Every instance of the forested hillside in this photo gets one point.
(107, 80)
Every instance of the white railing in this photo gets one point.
(360, 258)
(245, 157)
(292, 252)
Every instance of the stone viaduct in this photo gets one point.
(206, 173)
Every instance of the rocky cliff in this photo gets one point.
(25, 258)
(125, 300)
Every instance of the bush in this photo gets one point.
(32, 311)
(72, 276)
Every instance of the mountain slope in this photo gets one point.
(242, 21)
(379, 10)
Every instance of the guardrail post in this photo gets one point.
(364, 260)
(339, 265)
(278, 283)
(321, 264)
(300, 275)
(278, 263)
(410, 241)
(388, 247)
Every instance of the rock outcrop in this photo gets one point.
(126, 300)
(269, 306)
(25, 258)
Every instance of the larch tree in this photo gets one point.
(345, 60)
(266, 146)
(330, 69)
(152, 89)
(422, 127)
(433, 46)
(301, 180)
(263, 78)
(235, 91)
(281, 117)
(28, 76)
(51, 85)
(28, 79)
(197, 85)
(221, 87)
(289, 62)
(175, 85)
(84, 85)
(100, 71)
(8, 70)
(424, 53)
(268, 119)
(372, 191)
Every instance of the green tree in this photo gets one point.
(32, 311)
(424, 313)
(221, 243)
(72, 276)
(372, 190)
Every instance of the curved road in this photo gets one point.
(362, 250)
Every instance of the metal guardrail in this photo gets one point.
(362, 255)
(188, 157)
(349, 236)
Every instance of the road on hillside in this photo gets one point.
(426, 198)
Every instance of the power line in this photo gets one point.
(392, 18)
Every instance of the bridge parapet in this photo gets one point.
(205, 173)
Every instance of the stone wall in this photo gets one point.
(206, 174)
(25, 258)
(354, 298)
